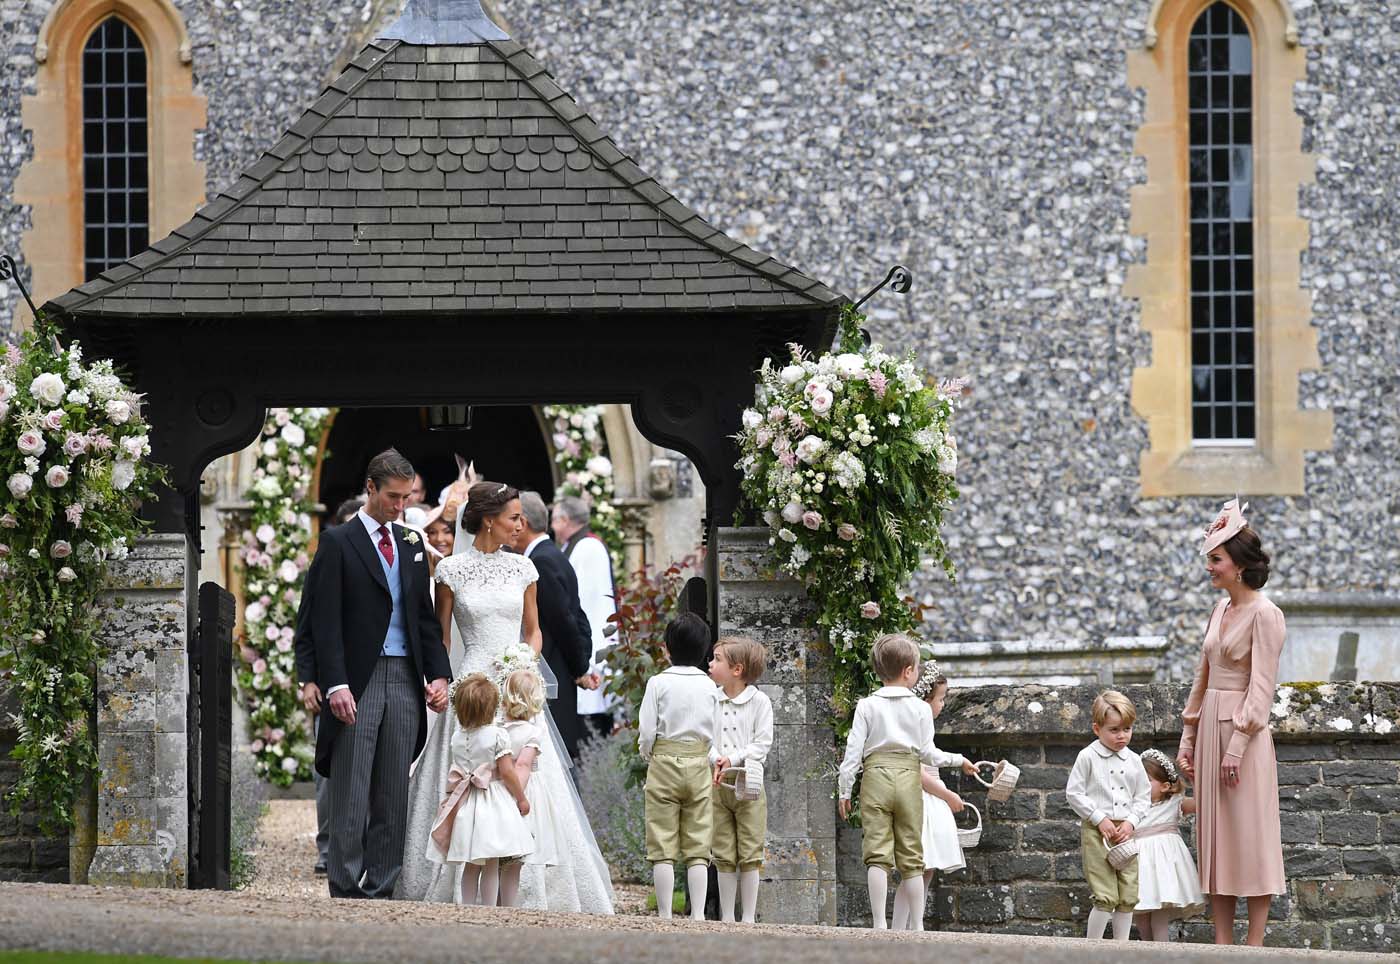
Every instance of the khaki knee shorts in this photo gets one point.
(740, 828)
(892, 812)
(1115, 890)
(678, 808)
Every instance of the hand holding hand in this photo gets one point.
(844, 808)
(1230, 770)
(970, 769)
(1126, 830)
(1108, 828)
(311, 698)
(343, 706)
(1187, 765)
(436, 695)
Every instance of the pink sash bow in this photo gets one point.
(459, 784)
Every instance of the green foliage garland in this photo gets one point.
(73, 456)
(275, 554)
(850, 459)
(581, 451)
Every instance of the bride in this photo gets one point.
(490, 596)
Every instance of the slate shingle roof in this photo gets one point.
(443, 178)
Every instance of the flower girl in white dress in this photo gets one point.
(481, 820)
(1168, 882)
(522, 700)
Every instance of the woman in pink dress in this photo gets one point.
(1225, 732)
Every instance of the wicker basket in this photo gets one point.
(1004, 778)
(736, 779)
(967, 839)
(1120, 855)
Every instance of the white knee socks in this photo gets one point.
(1122, 924)
(471, 877)
(878, 881)
(911, 889)
(490, 882)
(728, 887)
(748, 894)
(1098, 923)
(697, 881)
(663, 877)
(510, 883)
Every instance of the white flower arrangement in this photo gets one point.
(275, 554)
(580, 451)
(849, 459)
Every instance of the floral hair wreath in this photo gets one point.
(1165, 762)
(929, 677)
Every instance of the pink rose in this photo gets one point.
(278, 735)
(822, 401)
(812, 520)
(75, 445)
(256, 746)
(870, 610)
(847, 532)
(272, 632)
(259, 666)
(284, 645)
(248, 653)
(52, 421)
(60, 550)
(56, 477)
(31, 443)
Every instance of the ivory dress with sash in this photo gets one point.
(1237, 828)
(479, 819)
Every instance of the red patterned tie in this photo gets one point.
(386, 546)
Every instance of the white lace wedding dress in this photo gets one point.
(488, 591)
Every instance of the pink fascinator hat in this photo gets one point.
(1226, 526)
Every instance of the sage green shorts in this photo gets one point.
(1109, 889)
(740, 829)
(678, 807)
(892, 812)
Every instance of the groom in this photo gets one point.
(379, 659)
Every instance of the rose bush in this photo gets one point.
(849, 458)
(75, 477)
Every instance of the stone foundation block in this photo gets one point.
(1336, 899)
(1350, 829)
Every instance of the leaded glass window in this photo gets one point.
(1220, 74)
(116, 190)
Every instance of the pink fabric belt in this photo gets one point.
(459, 784)
(1158, 830)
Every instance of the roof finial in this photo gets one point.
(430, 22)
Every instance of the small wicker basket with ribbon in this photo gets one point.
(971, 837)
(1004, 779)
(1120, 855)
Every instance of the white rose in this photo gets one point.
(66, 574)
(269, 449)
(770, 517)
(792, 374)
(822, 401)
(752, 419)
(254, 612)
(118, 411)
(31, 443)
(599, 465)
(810, 448)
(288, 571)
(266, 533)
(7, 391)
(123, 474)
(20, 484)
(787, 535)
(48, 388)
(268, 487)
(57, 477)
(849, 365)
(136, 446)
(792, 513)
(293, 434)
(289, 764)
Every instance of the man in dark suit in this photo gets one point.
(379, 662)
(568, 645)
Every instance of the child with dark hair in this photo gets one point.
(676, 729)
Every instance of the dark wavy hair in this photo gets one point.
(485, 500)
(1247, 552)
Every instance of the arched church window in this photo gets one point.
(1221, 96)
(116, 169)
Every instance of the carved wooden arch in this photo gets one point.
(1290, 22)
(51, 182)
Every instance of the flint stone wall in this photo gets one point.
(1339, 792)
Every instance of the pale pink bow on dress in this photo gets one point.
(459, 784)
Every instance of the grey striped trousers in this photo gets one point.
(369, 783)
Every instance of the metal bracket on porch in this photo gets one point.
(898, 279)
(9, 271)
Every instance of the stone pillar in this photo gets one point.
(142, 713)
(799, 876)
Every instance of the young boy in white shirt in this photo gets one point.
(1109, 791)
(891, 733)
(676, 730)
(743, 736)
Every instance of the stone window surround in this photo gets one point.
(1174, 464)
(51, 181)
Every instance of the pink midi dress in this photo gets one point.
(1237, 828)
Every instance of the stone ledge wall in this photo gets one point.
(1339, 791)
(25, 853)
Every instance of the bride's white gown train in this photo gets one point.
(488, 591)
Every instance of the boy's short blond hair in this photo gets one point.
(1118, 703)
(744, 652)
(892, 654)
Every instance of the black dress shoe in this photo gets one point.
(319, 870)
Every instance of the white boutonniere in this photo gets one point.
(411, 537)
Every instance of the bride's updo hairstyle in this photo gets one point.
(1247, 551)
(485, 500)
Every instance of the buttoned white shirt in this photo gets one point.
(891, 718)
(744, 732)
(372, 526)
(679, 704)
(1104, 784)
